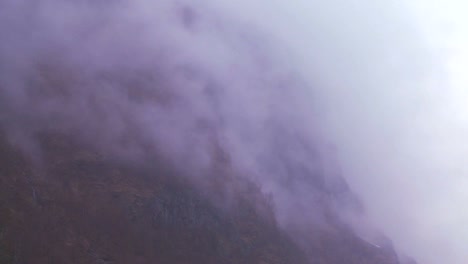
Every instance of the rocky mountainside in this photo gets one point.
(160, 132)
(77, 206)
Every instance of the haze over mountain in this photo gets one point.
(232, 132)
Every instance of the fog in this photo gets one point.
(393, 92)
(267, 85)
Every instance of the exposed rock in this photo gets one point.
(83, 208)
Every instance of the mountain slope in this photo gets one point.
(83, 209)
(79, 207)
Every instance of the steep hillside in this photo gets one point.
(81, 208)
(163, 132)
(76, 206)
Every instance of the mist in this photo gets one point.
(260, 87)
(392, 91)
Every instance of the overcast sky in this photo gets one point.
(392, 84)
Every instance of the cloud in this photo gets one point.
(262, 86)
(168, 81)
(391, 89)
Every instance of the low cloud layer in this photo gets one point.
(262, 86)
(392, 91)
(189, 86)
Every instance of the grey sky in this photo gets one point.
(393, 92)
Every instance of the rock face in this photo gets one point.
(79, 207)
(155, 133)
(84, 209)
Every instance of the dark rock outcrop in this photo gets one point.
(80, 207)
